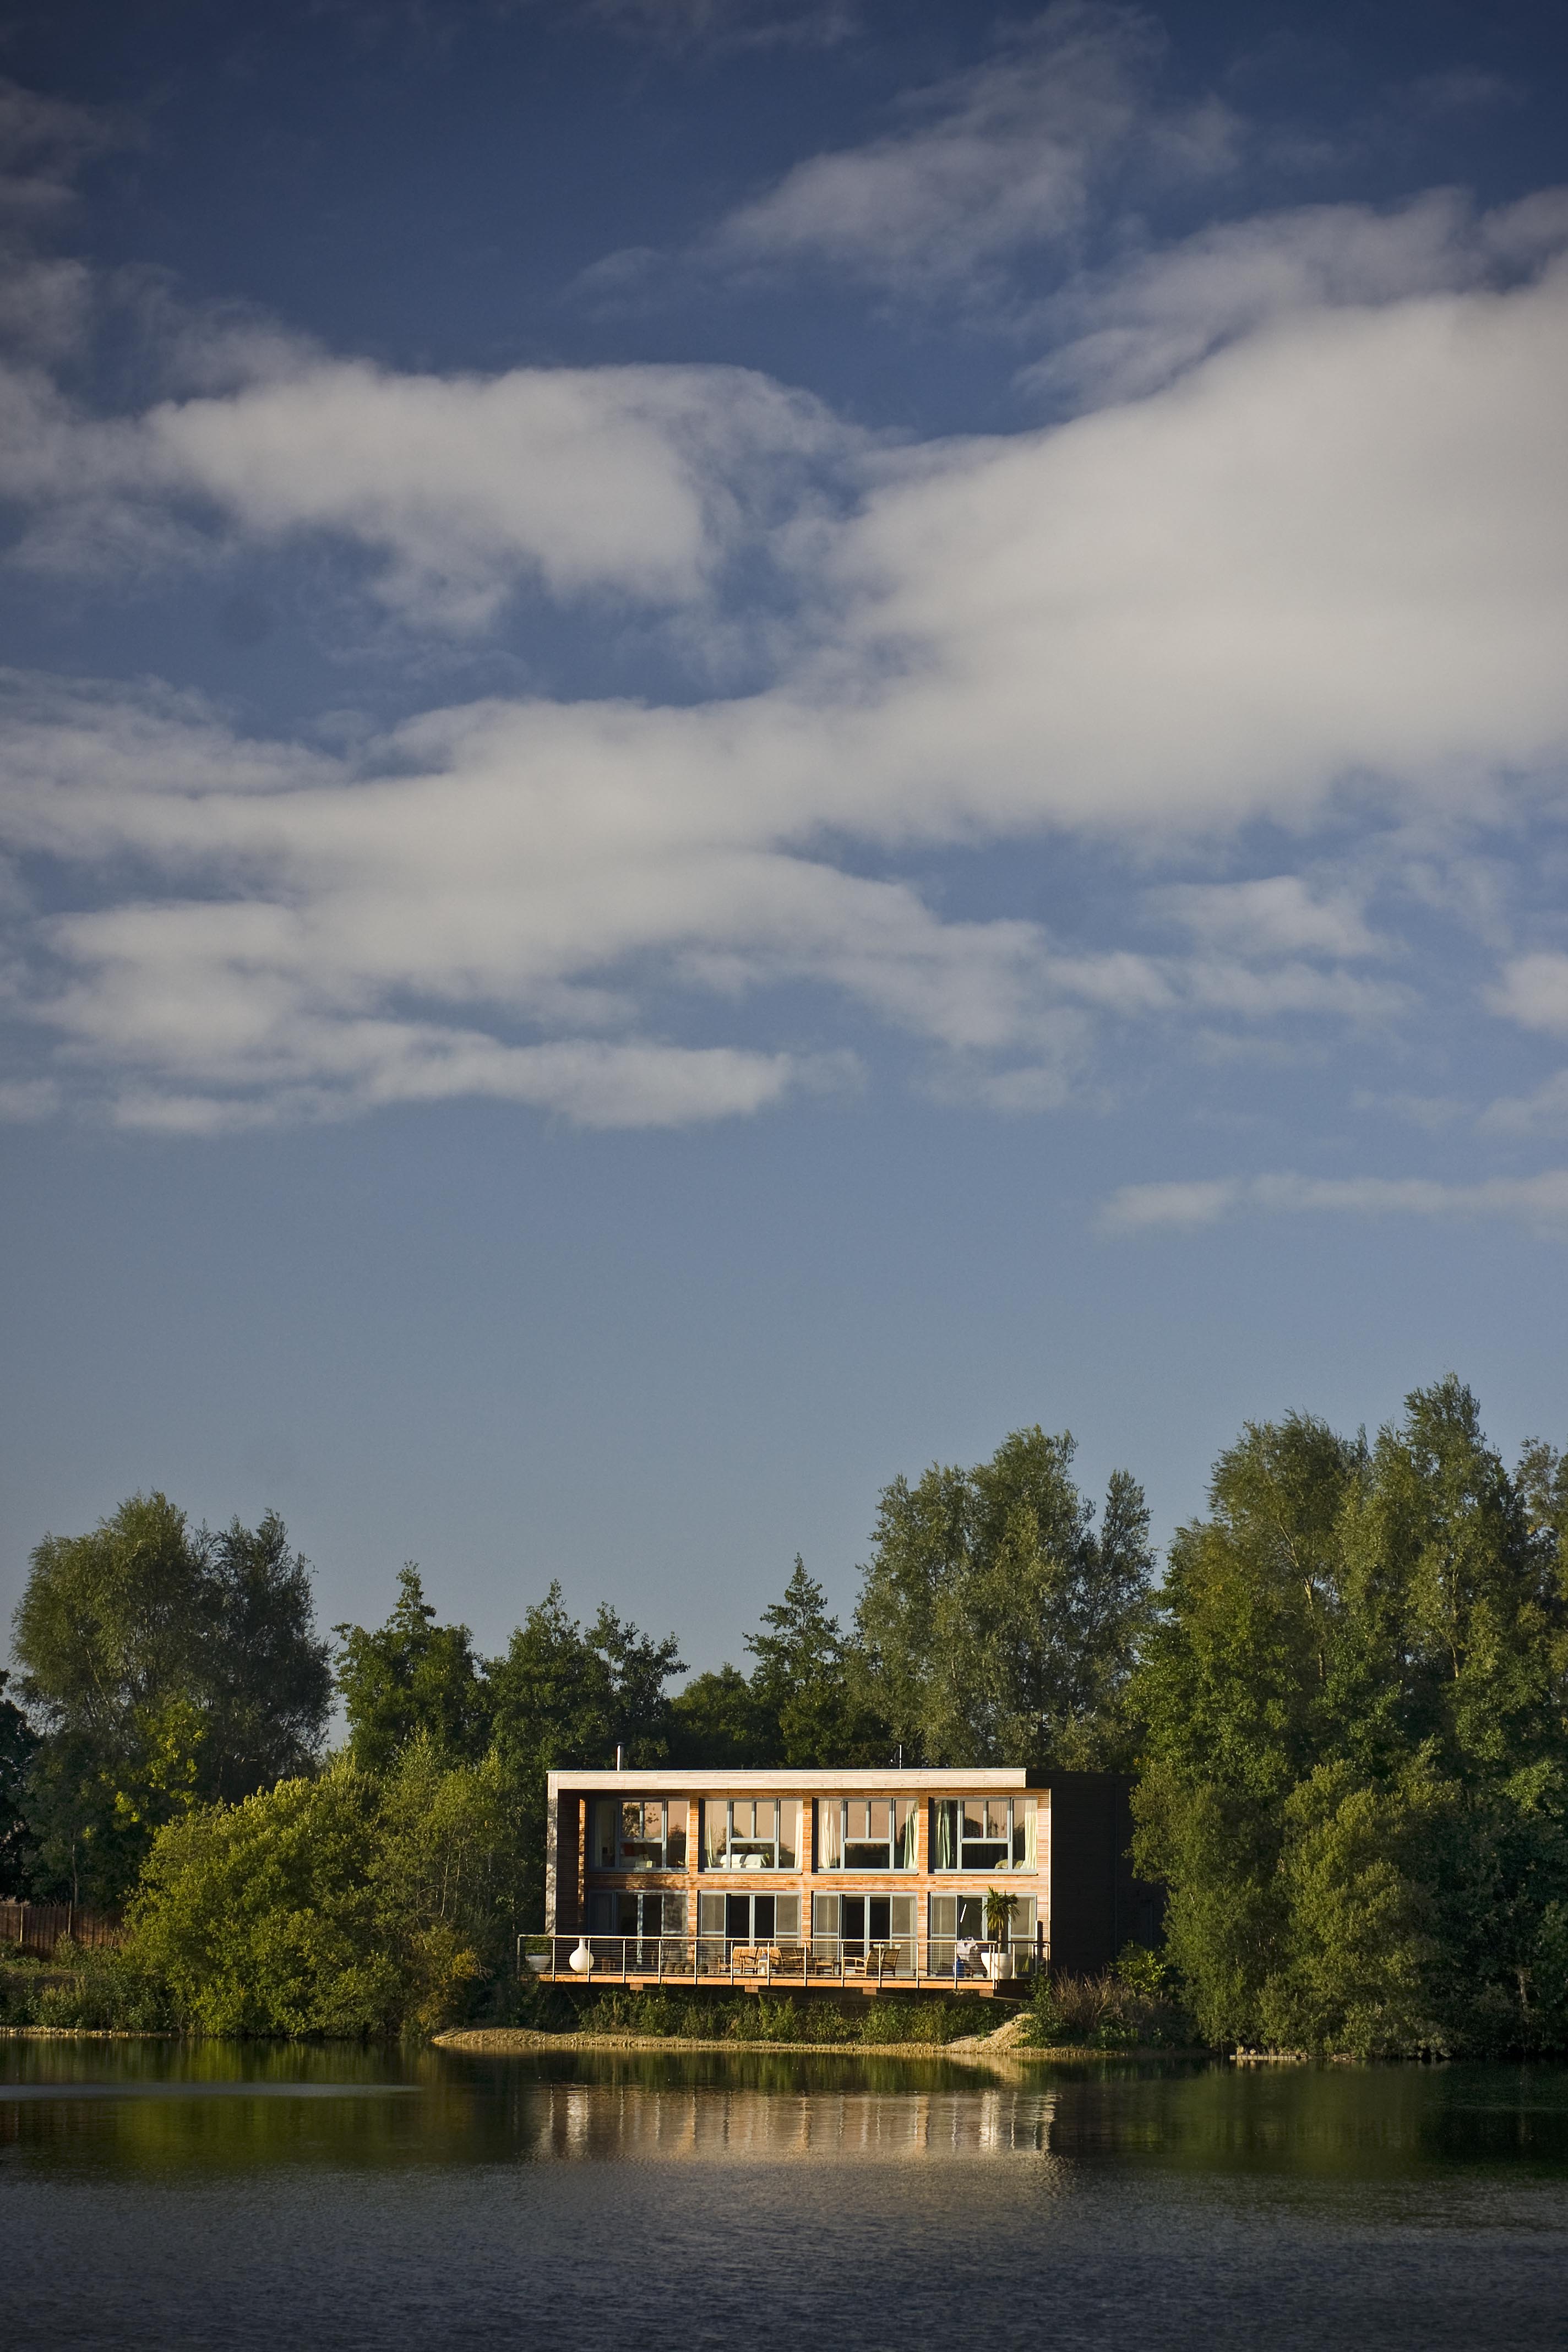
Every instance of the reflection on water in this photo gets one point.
(167, 2195)
(614, 2122)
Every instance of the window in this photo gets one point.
(751, 1833)
(642, 1916)
(958, 1936)
(989, 1834)
(866, 1833)
(874, 1933)
(638, 1833)
(751, 1918)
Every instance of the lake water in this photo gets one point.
(213, 2195)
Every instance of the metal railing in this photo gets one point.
(824, 1960)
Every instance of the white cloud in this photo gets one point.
(1540, 1201)
(635, 481)
(1326, 568)
(1546, 1108)
(1533, 991)
(1276, 916)
(1122, 332)
(997, 159)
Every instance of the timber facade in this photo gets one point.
(875, 1879)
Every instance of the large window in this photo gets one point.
(866, 1833)
(638, 1833)
(751, 1833)
(749, 1918)
(871, 1931)
(986, 1833)
(959, 1937)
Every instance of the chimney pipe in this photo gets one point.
(620, 1752)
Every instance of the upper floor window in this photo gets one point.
(866, 1833)
(638, 1833)
(985, 1833)
(751, 1833)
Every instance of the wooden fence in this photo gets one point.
(36, 1928)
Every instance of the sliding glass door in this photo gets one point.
(874, 1934)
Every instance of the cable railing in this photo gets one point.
(863, 1962)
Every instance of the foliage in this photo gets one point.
(18, 1744)
(410, 1679)
(1356, 1781)
(167, 1666)
(717, 1720)
(809, 1683)
(766, 2018)
(79, 1990)
(996, 1623)
(1128, 2007)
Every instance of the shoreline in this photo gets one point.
(500, 2040)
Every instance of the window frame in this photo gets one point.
(678, 1807)
(726, 1858)
(1023, 1813)
(903, 1823)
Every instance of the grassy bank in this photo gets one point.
(77, 1992)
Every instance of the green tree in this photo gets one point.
(411, 1678)
(996, 1623)
(1356, 1778)
(716, 1720)
(18, 1743)
(809, 1685)
(267, 1917)
(166, 1667)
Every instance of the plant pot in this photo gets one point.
(537, 1961)
(999, 1967)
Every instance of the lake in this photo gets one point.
(210, 2195)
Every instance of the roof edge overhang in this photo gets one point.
(804, 1780)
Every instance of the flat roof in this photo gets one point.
(661, 1778)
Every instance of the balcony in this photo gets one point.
(826, 1964)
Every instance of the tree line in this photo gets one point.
(1345, 1706)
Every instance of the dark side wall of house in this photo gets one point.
(1097, 1903)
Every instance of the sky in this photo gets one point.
(743, 739)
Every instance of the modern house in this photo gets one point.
(831, 1878)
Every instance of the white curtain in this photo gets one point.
(829, 1841)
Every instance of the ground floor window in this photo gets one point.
(874, 1931)
(642, 1919)
(958, 1941)
(745, 1923)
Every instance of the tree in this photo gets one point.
(411, 1678)
(266, 1917)
(167, 1666)
(996, 1626)
(270, 1680)
(808, 1685)
(716, 1720)
(1357, 1748)
(563, 1695)
(18, 1744)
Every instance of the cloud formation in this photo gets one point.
(1539, 1202)
(1000, 159)
(1307, 564)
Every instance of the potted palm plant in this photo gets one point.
(999, 1910)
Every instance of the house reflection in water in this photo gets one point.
(619, 2121)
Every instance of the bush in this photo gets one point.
(761, 2017)
(1126, 2007)
(84, 1991)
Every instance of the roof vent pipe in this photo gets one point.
(620, 1752)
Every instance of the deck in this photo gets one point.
(827, 1964)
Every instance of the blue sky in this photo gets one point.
(742, 740)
